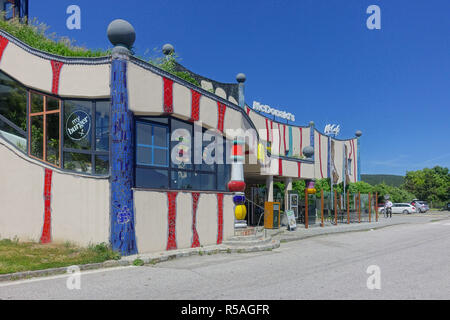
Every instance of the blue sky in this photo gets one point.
(315, 59)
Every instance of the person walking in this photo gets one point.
(388, 209)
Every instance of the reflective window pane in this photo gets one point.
(13, 136)
(52, 143)
(52, 104)
(36, 102)
(144, 155)
(160, 157)
(182, 180)
(152, 178)
(144, 133)
(77, 124)
(37, 136)
(13, 101)
(207, 181)
(181, 149)
(102, 125)
(160, 136)
(102, 164)
(78, 162)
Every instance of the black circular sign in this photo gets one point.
(78, 125)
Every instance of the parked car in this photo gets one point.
(406, 208)
(421, 206)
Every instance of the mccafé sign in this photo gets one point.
(267, 109)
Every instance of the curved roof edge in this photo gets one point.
(51, 56)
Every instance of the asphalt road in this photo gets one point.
(413, 260)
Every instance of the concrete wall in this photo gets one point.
(75, 80)
(152, 219)
(79, 204)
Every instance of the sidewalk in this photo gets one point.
(301, 232)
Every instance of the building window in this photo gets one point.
(44, 133)
(86, 136)
(349, 166)
(13, 112)
(163, 167)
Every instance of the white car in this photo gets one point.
(406, 208)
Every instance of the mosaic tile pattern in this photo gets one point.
(221, 116)
(122, 163)
(172, 220)
(195, 239)
(56, 68)
(3, 43)
(46, 230)
(219, 218)
(195, 105)
(168, 95)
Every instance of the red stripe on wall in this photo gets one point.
(267, 129)
(3, 43)
(279, 140)
(284, 138)
(280, 167)
(219, 218)
(56, 68)
(271, 131)
(168, 95)
(172, 215)
(299, 165)
(221, 116)
(195, 239)
(248, 111)
(46, 230)
(195, 105)
(320, 156)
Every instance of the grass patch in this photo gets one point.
(18, 256)
(138, 262)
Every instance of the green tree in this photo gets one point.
(432, 185)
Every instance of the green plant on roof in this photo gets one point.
(169, 63)
(35, 35)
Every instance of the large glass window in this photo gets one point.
(73, 134)
(86, 136)
(158, 166)
(13, 112)
(45, 128)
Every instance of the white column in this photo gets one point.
(269, 187)
(287, 187)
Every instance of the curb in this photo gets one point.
(146, 258)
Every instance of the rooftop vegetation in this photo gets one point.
(35, 34)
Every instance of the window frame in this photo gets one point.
(44, 114)
(170, 168)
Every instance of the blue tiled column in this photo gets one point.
(122, 163)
